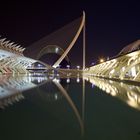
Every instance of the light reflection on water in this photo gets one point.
(68, 101)
(129, 94)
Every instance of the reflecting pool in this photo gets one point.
(41, 107)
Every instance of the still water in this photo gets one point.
(40, 107)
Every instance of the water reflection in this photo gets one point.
(58, 108)
(65, 94)
(48, 88)
(130, 94)
(11, 87)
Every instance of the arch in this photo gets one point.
(82, 25)
(52, 49)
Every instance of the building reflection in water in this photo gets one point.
(52, 94)
(48, 89)
(128, 93)
(11, 87)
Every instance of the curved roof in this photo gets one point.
(130, 48)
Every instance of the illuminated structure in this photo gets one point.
(59, 42)
(12, 59)
(125, 66)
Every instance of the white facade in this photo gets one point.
(12, 59)
(123, 67)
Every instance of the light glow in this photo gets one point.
(102, 60)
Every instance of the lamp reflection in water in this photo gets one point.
(130, 94)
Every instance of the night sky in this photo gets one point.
(109, 25)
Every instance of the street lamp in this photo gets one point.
(68, 66)
(78, 67)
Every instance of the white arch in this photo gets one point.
(56, 64)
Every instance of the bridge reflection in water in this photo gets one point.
(49, 105)
(48, 89)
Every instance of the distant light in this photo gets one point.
(39, 65)
(102, 60)
(93, 63)
(56, 49)
(78, 67)
(68, 66)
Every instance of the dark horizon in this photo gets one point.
(109, 26)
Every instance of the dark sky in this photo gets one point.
(110, 25)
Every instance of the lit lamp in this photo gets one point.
(39, 65)
(101, 60)
(68, 66)
(78, 67)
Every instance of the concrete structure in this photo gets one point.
(60, 42)
(125, 66)
(12, 59)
